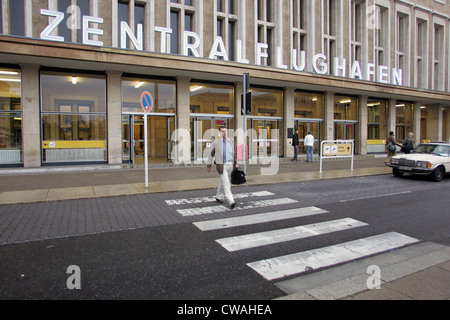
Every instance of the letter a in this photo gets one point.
(74, 281)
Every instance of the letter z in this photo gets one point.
(46, 33)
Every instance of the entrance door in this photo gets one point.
(345, 130)
(159, 134)
(303, 129)
(264, 138)
(203, 131)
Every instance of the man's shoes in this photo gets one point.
(233, 205)
(219, 200)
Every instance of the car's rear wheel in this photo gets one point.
(438, 174)
(397, 173)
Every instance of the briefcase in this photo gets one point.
(238, 177)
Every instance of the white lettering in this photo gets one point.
(164, 35)
(218, 49)
(280, 59)
(87, 31)
(126, 30)
(356, 70)
(322, 64)
(339, 67)
(302, 60)
(260, 53)
(397, 76)
(46, 33)
(240, 52)
(383, 76)
(370, 71)
(258, 309)
(191, 46)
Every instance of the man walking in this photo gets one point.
(295, 144)
(225, 158)
(309, 144)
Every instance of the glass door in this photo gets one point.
(264, 137)
(344, 130)
(159, 134)
(126, 134)
(303, 129)
(203, 131)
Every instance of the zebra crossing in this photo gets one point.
(277, 268)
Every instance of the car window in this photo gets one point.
(439, 150)
(442, 151)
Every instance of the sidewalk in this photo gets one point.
(22, 185)
(416, 276)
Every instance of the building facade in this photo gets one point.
(72, 73)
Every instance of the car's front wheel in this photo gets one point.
(438, 174)
(397, 173)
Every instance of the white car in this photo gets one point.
(431, 159)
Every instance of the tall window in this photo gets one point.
(421, 53)
(404, 119)
(134, 16)
(357, 30)
(10, 116)
(182, 15)
(377, 118)
(438, 62)
(265, 32)
(299, 26)
(381, 36)
(329, 29)
(73, 112)
(226, 25)
(17, 17)
(402, 45)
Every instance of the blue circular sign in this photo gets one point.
(146, 101)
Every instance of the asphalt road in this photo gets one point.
(143, 247)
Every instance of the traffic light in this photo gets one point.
(247, 108)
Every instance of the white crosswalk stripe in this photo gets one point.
(296, 263)
(177, 202)
(248, 205)
(288, 234)
(276, 268)
(258, 218)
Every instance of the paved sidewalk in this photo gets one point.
(419, 280)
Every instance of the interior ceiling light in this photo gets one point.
(74, 80)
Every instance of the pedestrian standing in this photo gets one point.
(225, 158)
(391, 144)
(309, 144)
(295, 144)
(409, 143)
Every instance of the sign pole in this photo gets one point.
(147, 106)
(145, 150)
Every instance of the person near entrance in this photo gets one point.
(295, 144)
(225, 159)
(309, 144)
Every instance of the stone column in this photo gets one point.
(183, 118)
(416, 121)
(362, 128)
(114, 116)
(289, 106)
(392, 116)
(31, 116)
(329, 116)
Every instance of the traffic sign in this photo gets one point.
(146, 101)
